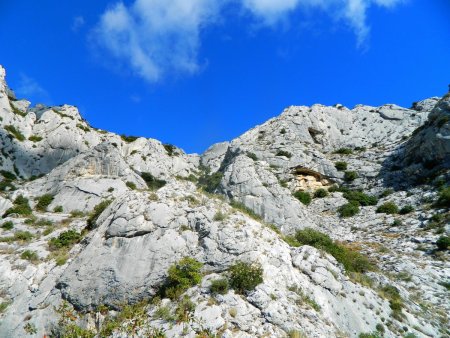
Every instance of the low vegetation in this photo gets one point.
(219, 286)
(94, 215)
(15, 133)
(65, 240)
(349, 209)
(443, 243)
(210, 182)
(43, 202)
(343, 151)
(350, 176)
(406, 210)
(181, 276)
(152, 182)
(444, 197)
(21, 207)
(34, 138)
(29, 255)
(244, 277)
(283, 153)
(352, 260)
(303, 196)
(320, 193)
(170, 149)
(341, 165)
(7, 225)
(131, 185)
(389, 208)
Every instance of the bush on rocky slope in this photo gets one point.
(21, 207)
(303, 196)
(244, 277)
(389, 208)
(444, 197)
(211, 182)
(349, 209)
(98, 209)
(181, 276)
(43, 202)
(351, 260)
(341, 165)
(152, 182)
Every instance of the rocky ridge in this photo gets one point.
(130, 208)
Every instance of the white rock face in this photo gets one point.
(54, 267)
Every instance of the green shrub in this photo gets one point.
(320, 193)
(43, 202)
(388, 208)
(443, 243)
(245, 277)
(170, 149)
(94, 215)
(350, 176)
(219, 286)
(182, 276)
(31, 256)
(65, 240)
(7, 225)
(341, 165)
(15, 133)
(283, 153)
(406, 209)
(184, 309)
(152, 182)
(444, 197)
(360, 197)
(25, 236)
(8, 175)
(6, 185)
(21, 207)
(163, 312)
(58, 208)
(303, 196)
(344, 151)
(34, 138)
(210, 183)
(76, 213)
(252, 156)
(349, 209)
(219, 216)
(130, 185)
(128, 139)
(387, 192)
(351, 260)
(369, 335)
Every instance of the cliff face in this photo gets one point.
(93, 221)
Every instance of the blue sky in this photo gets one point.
(197, 72)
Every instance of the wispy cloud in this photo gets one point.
(31, 89)
(77, 23)
(157, 38)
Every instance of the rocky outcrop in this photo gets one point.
(66, 254)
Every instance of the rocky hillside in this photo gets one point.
(321, 222)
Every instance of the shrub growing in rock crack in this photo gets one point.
(343, 151)
(388, 208)
(350, 176)
(283, 153)
(152, 182)
(15, 133)
(444, 197)
(30, 256)
(94, 215)
(7, 225)
(406, 210)
(65, 240)
(360, 197)
(349, 209)
(244, 277)
(443, 243)
(182, 276)
(341, 165)
(43, 202)
(320, 193)
(303, 196)
(351, 260)
(131, 185)
(21, 207)
(219, 286)
(211, 182)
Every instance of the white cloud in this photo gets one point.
(154, 37)
(160, 38)
(30, 88)
(77, 23)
